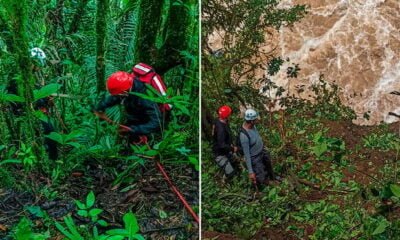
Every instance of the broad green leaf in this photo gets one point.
(138, 237)
(395, 189)
(80, 204)
(10, 161)
(320, 149)
(74, 144)
(73, 135)
(67, 62)
(381, 228)
(6, 97)
(72, 227)
(56, 137)
(317, 136)
(102, 223)
(227, 90)
(46, 91)
(131, 224)
(116, 238)
(83, 213)
(40, 115)
(124, 3)
(95, 232)
(90, 199)
(147, 97)
(195, 162)
(162, 214)
(37, 236)
(23, 230)
(151, 153)
(95, 212)
(35, 210)
(121, 232)
(63, 230)
(386, 192)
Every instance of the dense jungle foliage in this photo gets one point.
(339, 180)
(99, 187)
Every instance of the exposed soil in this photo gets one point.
(208, 235)
(314, 195)
(367, 162)
(274, 233)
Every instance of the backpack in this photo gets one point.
(238, 142)
(147, 75)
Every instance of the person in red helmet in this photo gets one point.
(143, 116)
(222, 141)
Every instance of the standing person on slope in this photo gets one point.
(222, 141)
(257, 158)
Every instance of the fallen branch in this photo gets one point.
(162, 229)
(65, 96)
(394, 114)
(222, 196)
(368, 175)
(318, 187)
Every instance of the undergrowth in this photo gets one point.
(84, 43)
(329, 190)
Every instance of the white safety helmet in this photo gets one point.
(38, 53)
(250, 114)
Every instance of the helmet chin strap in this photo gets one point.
(223, 120)
(126, 94)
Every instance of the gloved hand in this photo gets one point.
(103, 116)
(252, 177)
(124, 129)
(142, 139)
(235, 149)
(100, 114)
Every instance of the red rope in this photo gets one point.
(176, 191)
(164, 173)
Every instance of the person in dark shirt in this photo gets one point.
(143, 116)
(222, 141)
(43, 105)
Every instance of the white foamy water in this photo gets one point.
(354, 43)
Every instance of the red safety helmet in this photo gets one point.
(119, 82)
(224, 112)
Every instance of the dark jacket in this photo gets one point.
(143, 116)
(222, 144)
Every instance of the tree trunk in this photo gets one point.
(25, 81)
(206, 121)
(101, 30)
(150, 19)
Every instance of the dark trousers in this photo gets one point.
(50, 145)
(262, 167)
